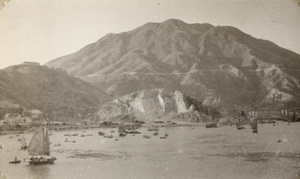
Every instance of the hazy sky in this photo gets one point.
(42, 30)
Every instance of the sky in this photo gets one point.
(42, 30)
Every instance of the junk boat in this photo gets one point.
(39, 148)
(121, 130)
(254, 126)
(23, 142)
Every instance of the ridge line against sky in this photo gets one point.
(42, 30)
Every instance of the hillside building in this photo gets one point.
(13, 119)
(275, 113)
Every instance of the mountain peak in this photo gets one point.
(175, 48)
(173, 22)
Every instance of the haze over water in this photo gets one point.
(188, 152)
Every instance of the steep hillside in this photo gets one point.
(55, 93)
(201, 60)
(148, 105)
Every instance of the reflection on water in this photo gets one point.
(39, 171)
(97, 154)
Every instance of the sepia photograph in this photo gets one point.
(150, 89)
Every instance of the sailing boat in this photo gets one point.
(240, 123)
(23, 142)
(121, 129)
(212, 123)
(39, 148)
(254, 126)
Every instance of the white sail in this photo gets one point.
(23, 141)
(39, 143)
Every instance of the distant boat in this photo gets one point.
(146, 136)
(70, 141)
(121, 127)
(132, 131)
(110, 136)
(241, 118)
(23, 142)
(153, 129)
(57, 144)
(239, 126)
(101, 133)
(165, 136)
(121, 130)
(16, 161)
(39, 148)
(122, 134)
(211, 125)
(254, 126)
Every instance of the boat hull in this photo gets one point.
(213, 125)
(15, 162)
(240, 127)
(123, 134)
(41, 162)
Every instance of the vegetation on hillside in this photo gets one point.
(58, 95)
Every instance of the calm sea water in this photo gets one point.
(188, 152)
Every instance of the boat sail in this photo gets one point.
(121, 129)
(23, 142)
(241, 119)
(39, 147)
(254, 126)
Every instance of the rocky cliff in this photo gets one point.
(148, 105)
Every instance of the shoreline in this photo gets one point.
(149, 125)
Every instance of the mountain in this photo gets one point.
(55, 93)
(211, 63)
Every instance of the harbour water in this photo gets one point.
(188, 152)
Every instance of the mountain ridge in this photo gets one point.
(176, 55)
